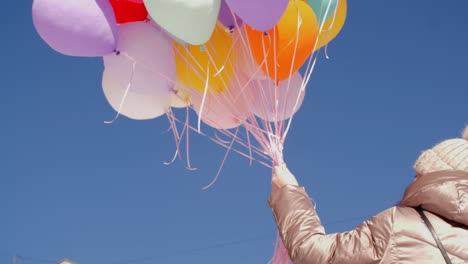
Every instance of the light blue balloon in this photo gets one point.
(320, 7)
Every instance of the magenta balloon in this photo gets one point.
(259, 14)
(228, 17)
(84, 28)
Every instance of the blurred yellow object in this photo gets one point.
(65, 261)
(214, 61)
(333, 25)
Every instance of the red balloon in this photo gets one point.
(129, 10)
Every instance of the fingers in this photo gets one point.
(282, 176)
(281, 170)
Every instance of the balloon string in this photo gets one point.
(246, 45)
(129, 84)
(268, 165)
(293, 59)
(215, 65)
(258, 133)
(187, 140)
(224, 160)
(189, 59)
(205, 91)
(218, 137)
(304, 83)
(297, 101)
(308, 69)
(260, 130)
(259, 152)
(226, 60)
(250, 146)
(331, 24)
(278, 117)
(311, 69)
(326, 52)
(228, 93)
(275, 84)
(173, 127)
(230, 134)
(178, 139)
(326, 14)
(219, 71)
(229, 97)
(265, 107)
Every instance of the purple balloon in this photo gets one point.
(84, 28)
(228, 17)
(259, 14)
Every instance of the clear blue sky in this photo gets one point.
(74, 187)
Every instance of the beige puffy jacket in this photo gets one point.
(396, 235)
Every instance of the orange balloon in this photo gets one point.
(283, 49)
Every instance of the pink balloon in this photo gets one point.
(289, 95)
(259, 14)
(225, 110)
(246, 63)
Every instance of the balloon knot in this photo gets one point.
(265, 33)
(117, 52)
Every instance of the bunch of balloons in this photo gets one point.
(234, 62)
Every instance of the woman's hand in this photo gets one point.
(282, 176)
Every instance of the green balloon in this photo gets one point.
(320, 9)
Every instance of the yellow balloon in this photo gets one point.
(333, 25)
(214, 61)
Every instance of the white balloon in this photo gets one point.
(192, 21)
(288, 99)
(138, 79)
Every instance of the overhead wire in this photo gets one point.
(25, 259)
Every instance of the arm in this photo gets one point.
(304, 236)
